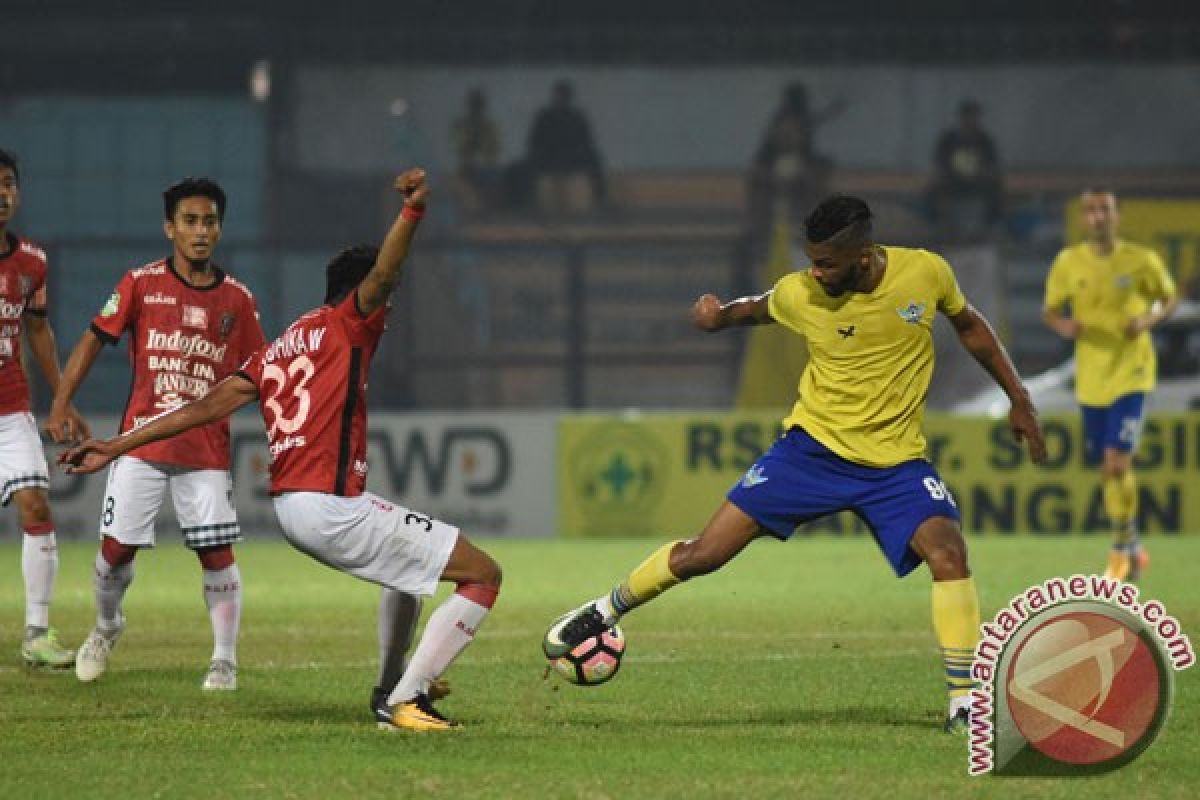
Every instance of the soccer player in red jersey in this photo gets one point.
(310, 384)
(190, 326)
(24, 476)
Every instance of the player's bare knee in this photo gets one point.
(1116, 464)
(115, 553)
(481, 568)
(948, 561)
(33, 509)
(490, 573)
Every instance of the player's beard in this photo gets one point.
(846, 284)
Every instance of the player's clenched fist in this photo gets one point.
(411, 183)
(706, 313)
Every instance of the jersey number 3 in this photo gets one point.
(302, 367)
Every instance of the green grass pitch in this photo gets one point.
(801, 670)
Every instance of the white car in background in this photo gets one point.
(1177, 341)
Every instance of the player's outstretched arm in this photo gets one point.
(44, 348)
(710, 314)
(228, 396)
(79, 363)
(980, 340)
(375, 289)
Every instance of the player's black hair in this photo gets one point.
(840, 214)
(347, 269)
(193, 187)
(9, 159)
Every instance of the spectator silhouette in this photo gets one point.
(477, 147)
(966, 192)
(562, 152)
(788, 175)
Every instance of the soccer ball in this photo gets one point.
(593, 661)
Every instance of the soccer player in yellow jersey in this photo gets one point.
(853, 441)
(1117, 291)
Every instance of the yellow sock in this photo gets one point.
(647, 581)
(956, 624)
(1120, 503)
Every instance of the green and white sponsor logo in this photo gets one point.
(110, 308)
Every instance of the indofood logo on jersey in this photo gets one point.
(11, 310)
(1076, 677)
(618, 473)
(177, 341)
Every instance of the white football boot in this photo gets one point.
(222, 676)
(92, 659)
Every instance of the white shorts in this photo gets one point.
(134, 495)
(22, 459)
(369, 538)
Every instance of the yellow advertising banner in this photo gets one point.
(1172, 227)
(664, 474)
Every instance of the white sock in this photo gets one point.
(39, 565)
(450, 629)
(223, 596)
(111, 583)
(959, 702)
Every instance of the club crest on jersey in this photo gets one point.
(226, 326)
(114, 303)
(195, 317)
(912, 313)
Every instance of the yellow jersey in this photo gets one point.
(862, 394)
(1105, 293)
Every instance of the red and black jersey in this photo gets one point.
(183, 340)
(22, 291)
(312, 389)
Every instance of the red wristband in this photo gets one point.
(413, 213)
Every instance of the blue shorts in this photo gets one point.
(800, 479)
(1117, 426)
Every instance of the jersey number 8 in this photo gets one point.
(938, 491)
